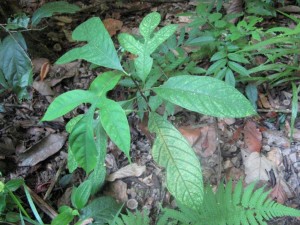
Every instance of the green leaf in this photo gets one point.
(238, 68)
(252, 94)
(237, 58)
(102, 210)
(14, 184)
(81, 194)
(215, 67)
(105, 82)
(15, 64)
(218, 56)
(71, 164)
(295, 91)
(63, 218)
(143, 65)
(48, 9)
(115, 124)
(205, 95)
(130, 44)
(172, 151)
(229, 77)
(201, 40)
(82, 142)
(99, 50)
(67, 102)
(97, 177)
(72, 122)
(160, 37)
(148, 24)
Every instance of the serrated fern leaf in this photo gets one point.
(243, 206)
(139, 218)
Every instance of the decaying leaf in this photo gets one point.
(263, 101)
(203, 140)
(256, 167)
(112, 25)
(44, 70)
(278, 193)
(253, 137)
(42, 150)
(132, 170)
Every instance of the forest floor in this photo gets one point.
(37, 151)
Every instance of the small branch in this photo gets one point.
(275, 110)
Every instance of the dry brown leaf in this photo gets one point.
(252, 136)
(118, 190)
(38, 63)
(256, 167)
(44, 89)
(132, 170)
(44, 70)
(112, 25)
(278, 193)
(203, 140)
(263, 100)
(42, 150)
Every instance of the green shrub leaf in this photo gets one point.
(81, 194)
(15, 64)
(160, 37)
(237, 58)
(130, 44)
(105, 82)
(143, 65)
(63, 218)
(148, 24)
(99, 50)
(238, 68)
(216, 66)
(67, 102)
(172, 151)
(82, 142)
(115, 124)
(50, 8)
(205, 95)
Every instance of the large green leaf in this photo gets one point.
(66, 102)
(50, 8)
(143, 65)
(172, 151)
(205, 95)
(99, 50)
(105, 82)
(15, 64)
(148, 24)
(82, 143)
(115, 124)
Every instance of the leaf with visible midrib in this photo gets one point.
(66, 102)
(205, 95)
(99, 50)
(172, 151)
(115, 124)
(82, 142)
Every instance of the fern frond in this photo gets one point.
(133, 219)
(243, 206)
